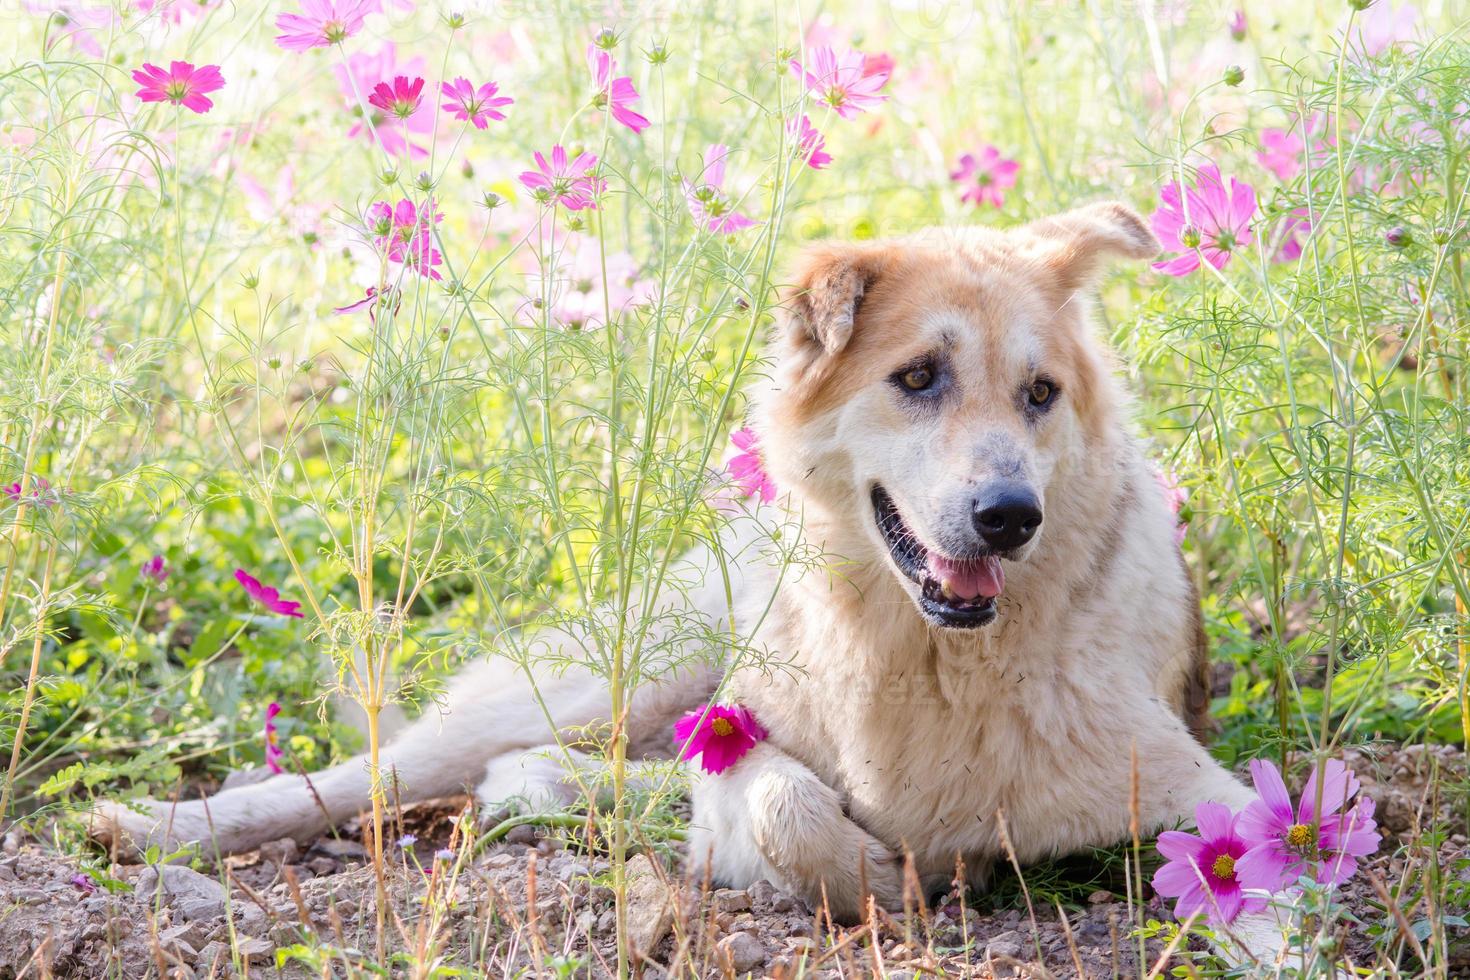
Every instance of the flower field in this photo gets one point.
(349, 342)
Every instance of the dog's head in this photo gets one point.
(935, 385)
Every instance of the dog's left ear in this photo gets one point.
(1077, 243)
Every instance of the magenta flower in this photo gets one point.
(570, 183)
(182, 84)
(1176, 497)
(720, 736)
(842, 81)
(1207, 219)
(405, 235)
(362, 72)
(1201, 871)
(41, 493)
(988, 175)
(1284, 845)
(322, 23)
(469, 104)
(371, 303)
(810, 141)
(400, 99)
(273, 751)
(1380, 27)
(155, 571)
(1281, 153)
(1295, 224)
(1237, 24)
(617, 94)
(268, 597)
(707, 201)
(746, 468)
(83, 883)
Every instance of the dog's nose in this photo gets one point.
(1007, 517)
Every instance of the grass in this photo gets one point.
(484, 455)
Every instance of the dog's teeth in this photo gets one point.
(949, 592)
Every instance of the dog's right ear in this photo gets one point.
(826, 292)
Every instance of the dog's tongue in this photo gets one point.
(968, 579)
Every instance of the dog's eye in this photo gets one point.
(1040, 393)
(917, 378)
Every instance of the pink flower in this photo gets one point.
(362, 73)
(182, 84)
(618, 94)
(1207, 219)
(989, 175)
(268, 597)
(707, 200)
(1176, 497)
(1237, 25)
(1294, 223)
(1201, 871)
(1380, 27)
(476, 106)
(273, 750)
(370, 302)
(720, 736)
(878, 64)
(41, 493)
(83, 883)
(404, 234)
(1281, 153)
(746, 468)
(580, 295)
(842, 81)
(1284, 845)
(79, 23)
(399, 99)
(570, 183)
(811, 142)
(155, 571)
(322, 23)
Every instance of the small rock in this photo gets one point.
(343, 850)
(650, 905)
(280, 852)
(731, 900)
(762, 892)
(193, 933)
(1007, 945)
(523, 834)
(322, 866)
(29, 896)
(570, 871)
(498, 862)
(783, 903)
(742, 951)
(197, 909)
(7, 873)
(255, 950)
(1099, 897)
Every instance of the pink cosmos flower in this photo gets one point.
(83, 883)
(842, 81)
(268, 597)
(1237, 25)
(617, 94)
(1207, 219)
(41, 493)
(273, 750)
(322, 23)
(1281, 153)
(570, 183)
(1284, 845)
(1295, 225)
(469, 104)
(362, 73)
(1380, 27)
(79, 23)
(182, 84)
(155, 571)
(370, 303)
(1201, 871)
(989, 176)
(580, 296)
(707, 201)
(400, 99)
(405, 235)
(719, 735)
(810, 141)
(746, 468)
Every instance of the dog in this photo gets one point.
(1002, 629)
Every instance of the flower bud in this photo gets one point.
(455, 20)
(425, 181)
(491, 200)
(1398, 237)
(388, 177)
(1234, 75)
(657, 55)
(250, 280)
(1360, 4)
(606, 39)
(1189, 236)
(1238, 25)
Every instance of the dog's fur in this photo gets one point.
(893, 734)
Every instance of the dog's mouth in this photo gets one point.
(953, 593)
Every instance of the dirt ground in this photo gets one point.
(529, 904)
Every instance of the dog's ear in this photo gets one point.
(826, 291)
(1077, 243)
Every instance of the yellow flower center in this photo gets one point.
(1224, 867)
(722, 727)
(1299, 836)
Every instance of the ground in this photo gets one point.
(530, 904)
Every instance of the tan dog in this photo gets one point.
(1009, 624)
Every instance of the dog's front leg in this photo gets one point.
(769, 816)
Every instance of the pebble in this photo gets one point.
(280, 852)
(524, 834)
(742, 951)
(731, 900)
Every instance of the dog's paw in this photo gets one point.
(134, 826)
